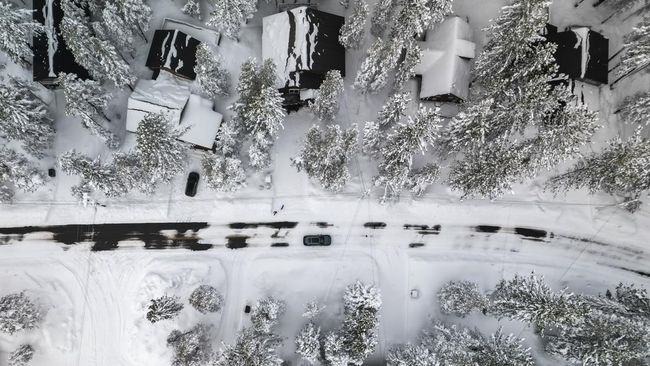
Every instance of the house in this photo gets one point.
(283, 5)
(170, 95)
(174, 51)
(304, 44)
(582, 54)
(444, 69)
(51, 55)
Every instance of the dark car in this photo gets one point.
(192, 183)
(317, 240)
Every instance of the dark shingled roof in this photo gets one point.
(180, 62)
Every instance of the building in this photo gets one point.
(174, 51)
(444, 70)
(304, 44)
(284, 5)
(581, 54)
(51, 55)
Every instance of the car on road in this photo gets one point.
(317, 240)
(192, 183)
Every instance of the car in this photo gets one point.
(192, 183)
(317, 240)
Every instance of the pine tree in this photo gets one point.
(325, 155)
(372, 139)
(416, 16)
(16, 172)
(223, 173)
(17, 313)
(394, 109)
(381, 17)
(326, 104)
(313, 309)
(24, 117)
(116, 29)
(308, 342)
(452, 345)
(635, 300)
(251, 348)
(406, 68)
(16, 30)
(213, 79)
(361, 305)
(87, 100)
(420, 179)
(94, 174)
(266, 314)
(164, 307)
(380, 59)
(206, 299)
(636, 54)
(21, 356)
(192, 9)
(461, 298)
(137, 14)
(502, 350)
(228, 15)
(334, 350)
(411, 355)
(351, 33)
(193, 347)
(635, 110)
(620, 169)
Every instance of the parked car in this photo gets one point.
(317, 240)
(192, 183)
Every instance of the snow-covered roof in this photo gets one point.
(173, 50)
(205, 35)
(445, 64)
(201, 121)
(303, 43)
(581, 53)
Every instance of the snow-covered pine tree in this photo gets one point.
(325, 155)
(87, 100)
(416, 16)
(18, 312)
(352, 31)
(251, 348)
(227, 16)
(636, 49)
(164, 307)
(16, 29)
(115, 28)
(372, 139)
(21, 356)
(136, 14)
(452, 345)
(420, 179)
(381, 17)
(192, 8)
(326, 103)
(361, 305)
(16, 172)
(24, 117)
(469, 129)
(394, 109)
(308, 343)
(531, 300)
(502, 350)
(620, 169)
(381, 58)
(406, 68)
(334, 350)
(213, 79)
(461, 298)
(160, 155)
(95, 175)
(635, 300)
(193, 347)
(224, 173)
(313, 309)
(635, 110)
(206, 299)
(266, 314)
(411, 355)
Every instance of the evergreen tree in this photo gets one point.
(335, 352)
(416, 16)
(228, 15)
(411, 355)
(372, 139)
(193, 347)
(115, 28)
(636, 109)
(325, 155)
(24, 117)
(621, 169)
(380, 59)
(361, 305)
(381, 17)
(206, 299)
(406, 68)
(420, 179)
(94, 174)
(21, 356)
(18, 312)
(164, 307)
(160, 155)
(213, 79)
(266, 314)
(636, 54)
(502, 350)
(16, 172)
(452, 345)
(87, 100)
(326, 104)
(136, 14)
(351, 33)
(251, 348)
(224, 173)
(308, 343)
(635, 300)
(394, 109)
(192, 9)
(16, 30)
(461, 298)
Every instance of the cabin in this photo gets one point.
(304, 44)
(174, 51)
(284, 5)
(444, 69)
(170, 95)
(51, 56)
(582, 54)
